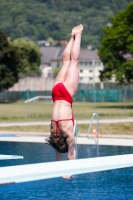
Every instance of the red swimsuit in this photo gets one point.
(59, 92)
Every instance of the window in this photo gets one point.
(81, 70)
(90, 70)
(90, 78)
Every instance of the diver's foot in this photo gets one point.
(77, 30)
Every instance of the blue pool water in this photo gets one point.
(106, 185)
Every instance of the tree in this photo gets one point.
(40, 19)
(116, 51)
(30, 56)
(10, 63)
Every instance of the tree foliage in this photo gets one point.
(116, 51)
(30, 56)
(41, 19)
(10, 63)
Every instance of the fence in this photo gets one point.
(32, 86)
(98, 95)
(111, 95)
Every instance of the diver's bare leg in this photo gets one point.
(72, 77)
(66, 61)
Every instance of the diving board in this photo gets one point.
(7, 157)
(38, 97)
(39, 171)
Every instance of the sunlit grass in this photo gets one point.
(41, 111)
(116, 128)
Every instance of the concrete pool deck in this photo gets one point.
(108, 139)
(119, 141)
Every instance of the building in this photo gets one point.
(48, 53)
(89, 65)
(89, 69)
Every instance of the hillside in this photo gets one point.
(44, 19)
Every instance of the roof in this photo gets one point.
(128, 56)
(85, 54)
(55, 53)
(49, 53)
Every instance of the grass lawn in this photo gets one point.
(41, 111)
(116, 128)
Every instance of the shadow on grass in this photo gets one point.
(116, 106)
(7, 102)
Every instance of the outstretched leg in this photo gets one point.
(72, 77)
(66, 61)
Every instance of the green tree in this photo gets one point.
(10, 63)
(116, 51)
(30, 56)
(41, 19)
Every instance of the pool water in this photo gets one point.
(106, 185)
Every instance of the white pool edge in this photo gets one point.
(80, 140)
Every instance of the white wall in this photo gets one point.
(33, 84)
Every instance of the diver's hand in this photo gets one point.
(66, 177)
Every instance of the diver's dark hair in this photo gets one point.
(58, 142)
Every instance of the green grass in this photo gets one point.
(116, 128)
(19, 111)
(41, 111)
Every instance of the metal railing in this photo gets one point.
(38, 97)
(75, 133)
(96, 134)
(97, 128)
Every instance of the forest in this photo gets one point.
(53, 20)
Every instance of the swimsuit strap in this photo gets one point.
(57, 125)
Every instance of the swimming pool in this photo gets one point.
(108, 185)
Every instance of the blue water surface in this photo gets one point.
(106, 185)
